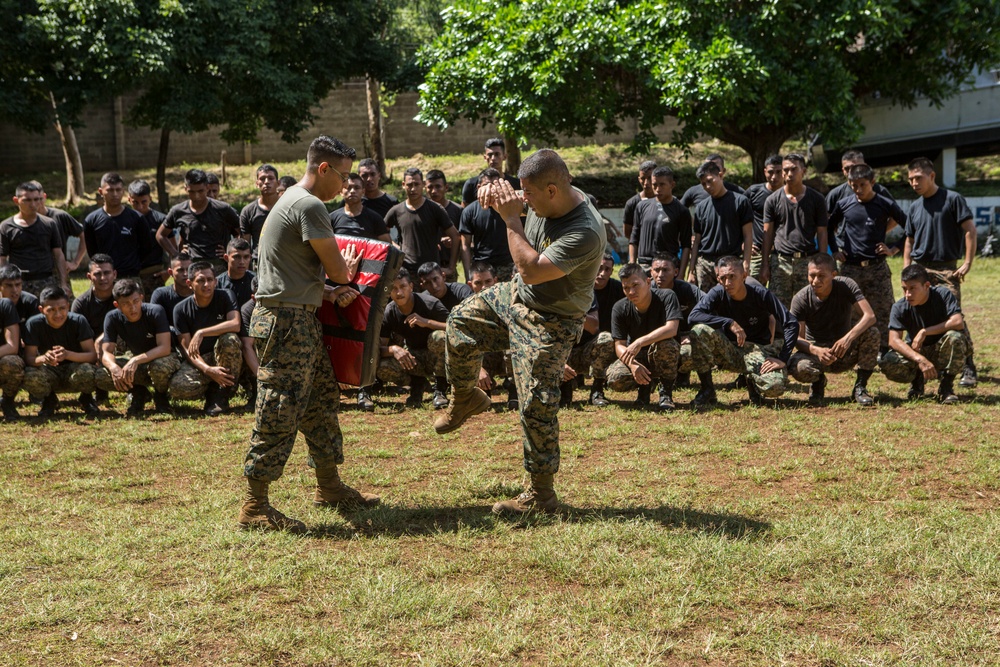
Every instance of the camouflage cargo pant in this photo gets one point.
(704, 273)
(593, 357)
(11, 374)
(495, 320)
(947, 355)
(297, 390)
(875, 281)
(497, 364)
(504, 272)
(943, 273)
(69, 377)
(711, 347)
(188, 383)
(156, 373)
(788, 276)
(430, 363)
(660, 359)
(685, 362)
(756, 262)
(863, 353)
(36, 286)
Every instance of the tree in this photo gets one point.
(752, 72)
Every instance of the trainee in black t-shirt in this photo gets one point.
(27, 306)
(718, 310)
(660, 228)
(827, 321)
(8, 316)
(758, 194)
(252, 219)
(92, 308)
(696, 194)
(940, 305)
(367, 225)
(246, 312)
(688, 296)
(241, 288)
(628, 324)
(139, 336)
(489, 235)
(70, 335)
(935, 225)
(154, 255)
(394, 322)
(720, 222)
(30, 248)
(203, 234)
(380, 204)
(606, 299)
(856, 227)
(167, 298)
(844, 190)
(796, 223)
(189, 317)
(456, 293)
(419, 231)
(124, 237)
(67, 224)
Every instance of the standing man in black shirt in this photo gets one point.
(935, 340)
(153, 273)
(697, 193)
(207, 324)
(646, 191)
(829, 339)
(758, 194)
(170, 295)
(421, 223)
(495, 155)
(939, 232)
(375, 198)
(116, 230)
(484, 235)
(254, 214)
(437, 191)
(731, 328)
(238, 277)
(723, 226)
(356, 219)
(795, 228)
(662, 224)
(33, 243)
(205, 224)
(849, 159)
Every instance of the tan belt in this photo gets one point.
(272, 303)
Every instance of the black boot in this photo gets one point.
(752, 393)
(597, 393)
(946, 389)
(916, 387)
(861, 395)
(9, 409)
(683, 380)
(566, 393)
(138, 397)
(101, 398)
(706, 395)
(161, 403)
(641, 401)
(49, 406)
(89, 405)
(418, 384)
(365, 402)
(667, 396)
(817, 390)
(440, 401)
(511, 387)
(970, 378)
(216, 400)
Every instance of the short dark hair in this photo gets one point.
(489, 174)
(795, 157)
(856, 157)
(414, 173)
(921, 164)
(494, 142)
(195, 177)
(112, 178)
(608, 257)
(52, 293)
(773, 161)
(729, 262)
(436, 175)
(646, 166)
(101, 258)
(200, 265)
(27, 186)
(861, 172)
(182, 256)
(125, 287)
(664, 171)
(482, 267)
(353, 177)
(211, 178)
(237, 244)
(716, 157)
(267, 167)
(370, 163)
(9, 272)
(914, 272)
(823, 261)
(706, 168)
(287, 181)
(324, 149)
(543, 167)
(404, 274)
(139, 188)
(427, 268)
(632, 269)
(663, 256)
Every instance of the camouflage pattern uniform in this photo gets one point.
(70, 377)
(875, 281)
(756, 262)
(297, 390)
(156, 373)
(495, 320)
(685, 360)
(150, 281)
(943, 273)
(189, 383)
(504, 272)
(947, 355)
(863, 353)
(497, 364)
(711, 347)
(704, 272)
(11, 374)
(788, 276)
(660, 359)
(593, 357)
(36, 286)
(430, 362)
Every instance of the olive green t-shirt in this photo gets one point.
(575, 243)
(289, 269)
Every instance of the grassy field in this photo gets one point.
(784, 535)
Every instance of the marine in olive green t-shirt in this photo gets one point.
(289, 269)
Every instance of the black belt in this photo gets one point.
(852, 261)
(35, 276)
(796, 255)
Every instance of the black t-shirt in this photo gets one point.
(470, 187)
(368, 224)
(718, 311)
(124, 237)
(152, 221)
(827, 321)
(30, 248)
(252, 219)
(240, 289)
(844, 190)
(935, 225)
(189, 317)
(628, 215)
(419, 230)
(660, 227)
(696, 194)
(204, 233)
(796, 223)
(8, 316)
(455, 294)
(27, 306)
(92, 308)
(628, 324)
(688, 296)
(758, 194)
(380, 205)
(606, 299)
(70, 335)
(246, 312)
(489, 235)
(139, 336)
(940, 305)
(395, 328)
(168, 298)
(67, 224)
(857, 227)
(720, 222)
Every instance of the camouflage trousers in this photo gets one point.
(660, 359)
(711, 347)
(788, 276)
(36, 286)
(943, 273)
(863, 353)
(69, 377)
(947, 355)
(188, 383)
(875, 281)
(593, 357)
(156, 373)
(297, 390)
(11, 374)
(495, 320)
(756, 262)
(149, 280)
(704, 273)
(430, 363)
(497, 364)
(685, 361)
(504, 272)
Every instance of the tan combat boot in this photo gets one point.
(463, 406)
(540, 497)
(331, 492)
(257, 512)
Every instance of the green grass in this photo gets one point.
(739, 536)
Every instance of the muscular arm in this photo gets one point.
(467, 255)
(164, 236)
(533, 267)
(456, 247)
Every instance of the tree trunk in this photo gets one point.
(71, 153)
(759, 143)
(161, 171)
(375, 123)
(513, 154)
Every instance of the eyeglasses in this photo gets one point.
(343, 176)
